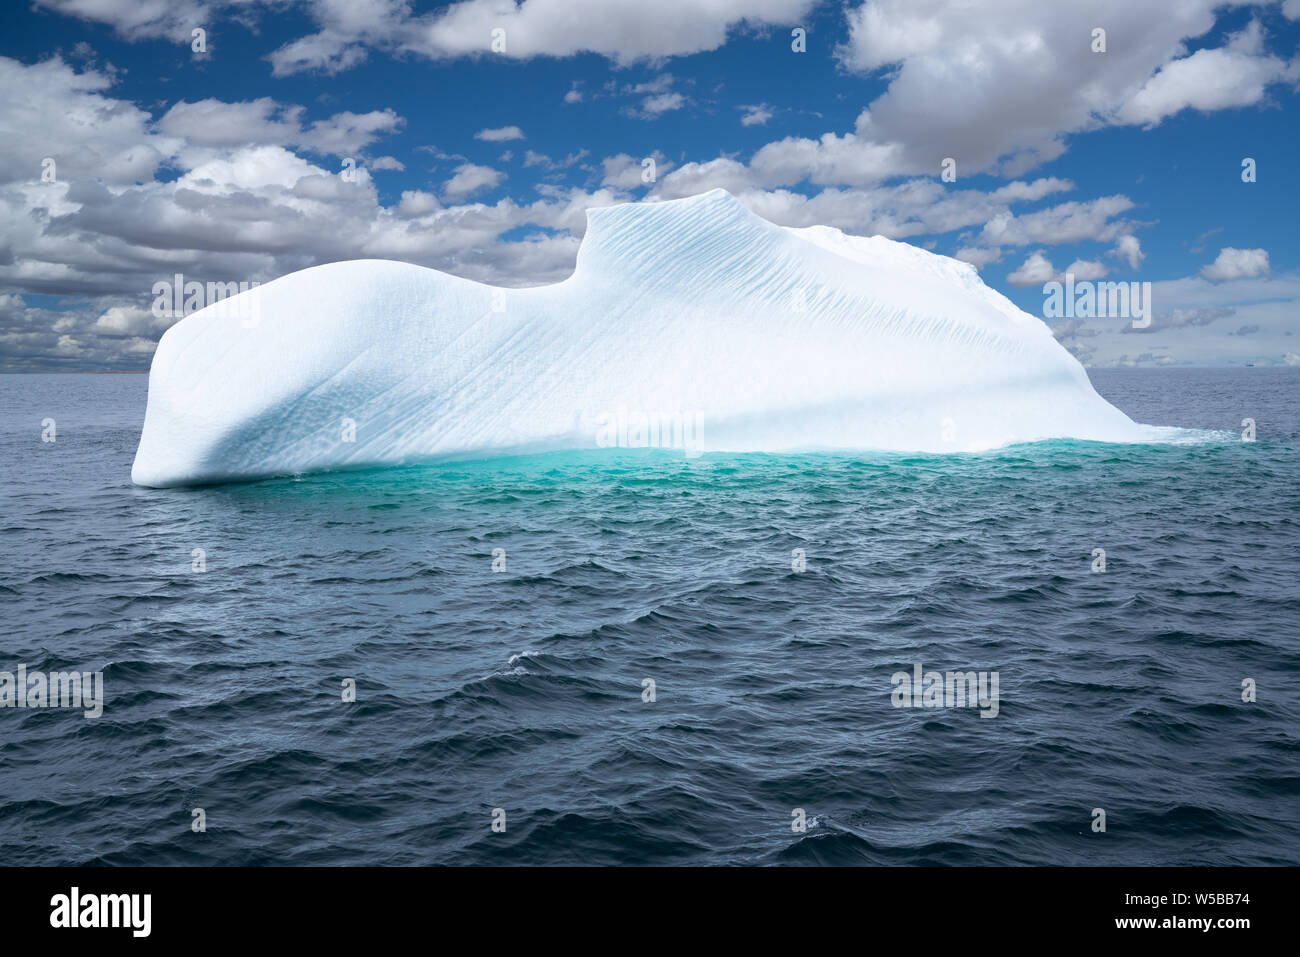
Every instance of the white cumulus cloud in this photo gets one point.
(501, 134)
(1237, 264)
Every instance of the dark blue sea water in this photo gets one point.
(522, 689)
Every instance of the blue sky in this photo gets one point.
(224, 164)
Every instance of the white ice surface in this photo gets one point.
(766, 338)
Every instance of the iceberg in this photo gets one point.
(689, 323)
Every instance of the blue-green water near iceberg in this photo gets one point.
(522, 688)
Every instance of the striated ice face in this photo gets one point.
(687, 324)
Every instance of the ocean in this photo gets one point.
(635, 657)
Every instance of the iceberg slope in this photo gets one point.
(749, 336)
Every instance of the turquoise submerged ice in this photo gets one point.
(692, 322)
